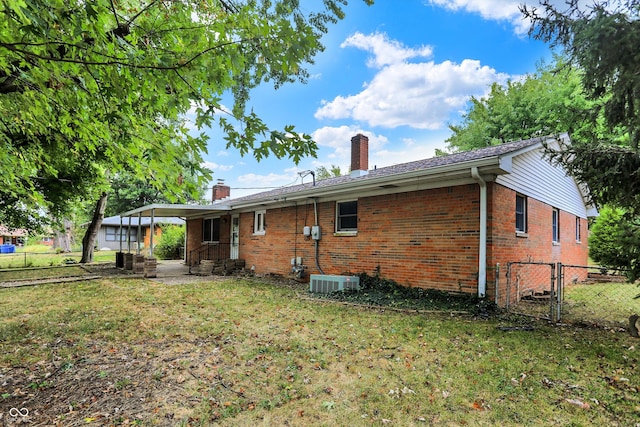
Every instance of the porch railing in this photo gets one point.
(211, 251)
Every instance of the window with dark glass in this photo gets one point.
(114, 234)
(211, 230)
(347, 216)
(521, 214)
(555, 225)
(259, 222)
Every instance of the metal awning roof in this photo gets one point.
(182, 211)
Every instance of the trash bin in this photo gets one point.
(7, 249)
(119, 259)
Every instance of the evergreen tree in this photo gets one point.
(602, 41)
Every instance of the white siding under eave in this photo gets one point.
(534, 176)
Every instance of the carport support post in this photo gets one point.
(129, 235)
(138, 233)
(152, 231)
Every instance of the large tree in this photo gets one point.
(129, 192)
(549, 101)
(92, 89)
(601, 40)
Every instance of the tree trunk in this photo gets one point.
(92, 231)
(63, 239)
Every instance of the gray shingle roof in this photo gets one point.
(389, 171)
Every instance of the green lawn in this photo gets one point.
(247, 353)
(601, 303)
(42, 256)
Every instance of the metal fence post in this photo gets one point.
(497, 281)
(560, 291)
(508, 286)
(553, 292)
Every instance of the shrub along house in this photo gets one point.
(441, 223)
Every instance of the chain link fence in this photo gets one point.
(597, 296)
(531, 289)
(577, 294)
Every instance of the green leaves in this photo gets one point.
(614, 241)
(87, 87)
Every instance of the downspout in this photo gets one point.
(482, 255)
(317, 241)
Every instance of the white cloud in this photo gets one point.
(385, 51)
(499, 10)
(216, 167)
(381, 151)
(421, 95)
(338, 139)
(409, 151)
(266, 181)
(502, 10)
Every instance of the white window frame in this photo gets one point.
(212, 234)
(523, 213)
(346, 230)
(555, 225)
(578, 230)
(120, 234)
(259, 222)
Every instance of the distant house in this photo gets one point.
(441, 223)
(114, 230)
(12, 236)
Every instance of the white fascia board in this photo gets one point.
(436, 177)
(184, 211)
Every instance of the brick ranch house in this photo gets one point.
(441, 223)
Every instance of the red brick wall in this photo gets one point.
(194, 236)
(504, 245)
(425, 239)
(194, 233)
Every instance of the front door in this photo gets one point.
(235, 236)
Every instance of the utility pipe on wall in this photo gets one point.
(317, 242)
(482, 255)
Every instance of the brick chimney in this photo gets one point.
(220, 191)
(359, 155)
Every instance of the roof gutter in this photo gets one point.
(482, 255)
(493, 164)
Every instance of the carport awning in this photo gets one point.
(162, 210)
(182, 211)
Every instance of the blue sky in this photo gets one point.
(399, 72)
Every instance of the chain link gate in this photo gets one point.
(596, 295)
(531, 290)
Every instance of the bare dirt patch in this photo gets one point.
(107, 385)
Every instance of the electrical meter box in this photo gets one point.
(315, 232)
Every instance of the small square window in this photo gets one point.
(347, 216)
(259, 223)
(521, 214)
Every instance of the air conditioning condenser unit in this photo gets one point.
(326, 283)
